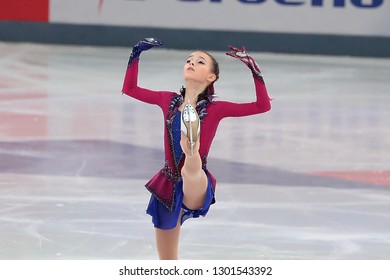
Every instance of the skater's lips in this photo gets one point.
(190, 69)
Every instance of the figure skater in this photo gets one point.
(184, 188)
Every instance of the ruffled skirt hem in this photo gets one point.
(164, 219)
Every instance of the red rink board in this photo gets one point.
(24, 10)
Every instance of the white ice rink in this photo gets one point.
(308, 180)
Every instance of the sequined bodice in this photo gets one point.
(176, 127)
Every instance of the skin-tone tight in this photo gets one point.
(194, 189)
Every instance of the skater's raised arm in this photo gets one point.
(130, 84)
(262, 103)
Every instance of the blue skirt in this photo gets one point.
(162, 218)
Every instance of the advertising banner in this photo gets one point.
(334, 17)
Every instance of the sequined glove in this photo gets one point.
(247, 59)
(143, 45)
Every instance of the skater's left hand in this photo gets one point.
(243, 55)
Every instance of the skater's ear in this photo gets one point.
(211, 78)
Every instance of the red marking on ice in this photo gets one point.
(21, 96)
(7, 82)
(14, 124)
(374, 177)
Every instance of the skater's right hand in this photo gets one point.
(148, 43)
(143, 45)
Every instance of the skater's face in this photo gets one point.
(199, 67)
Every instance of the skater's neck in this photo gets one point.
(193, 90)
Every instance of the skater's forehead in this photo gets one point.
(198, 54)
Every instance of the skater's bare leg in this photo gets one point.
(194, 178)
(167, 242)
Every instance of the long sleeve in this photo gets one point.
(261, 105)
(131, 88)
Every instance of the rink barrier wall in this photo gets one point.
(187, 39)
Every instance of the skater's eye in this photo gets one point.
(201, 62)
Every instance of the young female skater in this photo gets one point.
(185, 188)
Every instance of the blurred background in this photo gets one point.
(308, 180)
(337, 27)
